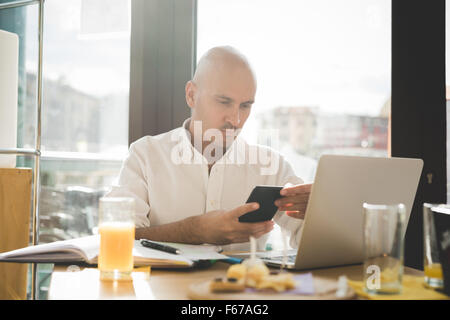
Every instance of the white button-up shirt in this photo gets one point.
(169, 180)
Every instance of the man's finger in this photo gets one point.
(241, 210)
(292, 207)
(261, 226)
(255, 226)
(297, 189)
(286, 207)
(260, 234)
(292, 199)
(266, 229)
(296, 214)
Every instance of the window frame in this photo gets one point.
(163, 55)
(419, 106)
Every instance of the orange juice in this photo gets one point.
(433, 271)
(116, 246)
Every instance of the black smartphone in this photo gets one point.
(265, 196)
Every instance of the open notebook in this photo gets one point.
(86, 250)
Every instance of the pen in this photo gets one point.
(232, 260)
(160, 247)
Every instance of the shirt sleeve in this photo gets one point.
(132, 182)
(291, 225)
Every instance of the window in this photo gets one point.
(86, 72)
(323, 69)
(85, 110)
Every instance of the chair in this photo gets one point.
(15, 212)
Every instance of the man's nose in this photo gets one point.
(234, 117)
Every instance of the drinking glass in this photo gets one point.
(116, 228)
(431, 263)
(383, 248)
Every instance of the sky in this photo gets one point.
(90, 56)
(335, 55)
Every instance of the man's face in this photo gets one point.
(223, 99)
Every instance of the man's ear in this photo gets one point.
(190, 93)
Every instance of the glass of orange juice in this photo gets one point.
(116, 228)
(431, 263)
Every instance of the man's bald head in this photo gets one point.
(222, 90)
(219, 60)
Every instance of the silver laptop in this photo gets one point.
(332, 232)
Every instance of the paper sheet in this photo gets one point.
(191, 252)
(87, 248)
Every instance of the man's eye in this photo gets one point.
(224, 102)
(246, 106)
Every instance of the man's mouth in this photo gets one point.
(229, 132)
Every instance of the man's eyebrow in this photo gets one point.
(221, 96)
(224, 97)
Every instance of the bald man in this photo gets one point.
(190, 184)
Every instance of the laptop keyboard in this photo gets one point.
(290, 259)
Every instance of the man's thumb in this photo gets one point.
(248, 207)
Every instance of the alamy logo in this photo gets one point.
(233, 151)
(373, 281)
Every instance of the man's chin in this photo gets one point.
(229, 136)
(230, 132)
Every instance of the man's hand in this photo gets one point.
(223, 227)
(294, 200)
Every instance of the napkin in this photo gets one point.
(413, 289)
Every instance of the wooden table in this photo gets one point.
(71, 282)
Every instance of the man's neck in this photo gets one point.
(197, 136)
